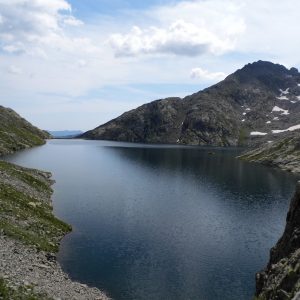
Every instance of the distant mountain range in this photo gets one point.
(65, 133)
(257, 103)
(16, 133)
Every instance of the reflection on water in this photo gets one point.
(161, 222)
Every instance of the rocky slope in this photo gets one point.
(284, 153)
(256, 103)
(29, 238)
(281, 278)
(16, 133)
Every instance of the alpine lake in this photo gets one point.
(163, 222)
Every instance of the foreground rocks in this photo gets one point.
(39, 273)
(281, 279)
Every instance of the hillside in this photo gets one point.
(259, 102)
(16, 133)
(283, 154)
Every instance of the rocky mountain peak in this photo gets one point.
(271, 76)
(260, 101)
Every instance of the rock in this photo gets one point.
(222, 115)
(283, 154)
(281, 278)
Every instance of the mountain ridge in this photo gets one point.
(258, 98)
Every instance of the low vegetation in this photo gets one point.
(8, 292)
(25, 208)
(16, 133)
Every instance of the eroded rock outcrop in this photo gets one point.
(281, 278)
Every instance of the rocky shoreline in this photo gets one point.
(38, 273)
(281, 278)
(283, 154)
(29, 239)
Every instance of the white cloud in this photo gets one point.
(14, 70)
(82, 63)
(73, 21)
(28, 26)
(180, 38)
(200, 73)
(159, 46)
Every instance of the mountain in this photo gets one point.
(283, 153)
(281, 278)
(259, 102)
(65, 133)
(16, 133)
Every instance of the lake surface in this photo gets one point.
(163, 222)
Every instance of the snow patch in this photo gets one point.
(243, 120)
(276, 119)
(284, 92)
(248, 109)
(293, 128)
(257, 133)
(278, 109)
(244, 114)
(282, 98)
(269, 122)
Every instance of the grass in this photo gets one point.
(23, 215)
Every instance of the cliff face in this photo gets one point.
(258, 98)
(283, 154)
(16, 133)
(281, 278)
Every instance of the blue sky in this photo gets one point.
(74, 64)
(84, 9)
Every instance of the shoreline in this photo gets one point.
(30, 236)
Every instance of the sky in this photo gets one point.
(76, 64)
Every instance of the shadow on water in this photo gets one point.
(162, 222)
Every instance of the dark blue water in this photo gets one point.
(161, 222)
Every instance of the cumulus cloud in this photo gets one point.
(27, 26)
(200, 73)
(180, 38)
